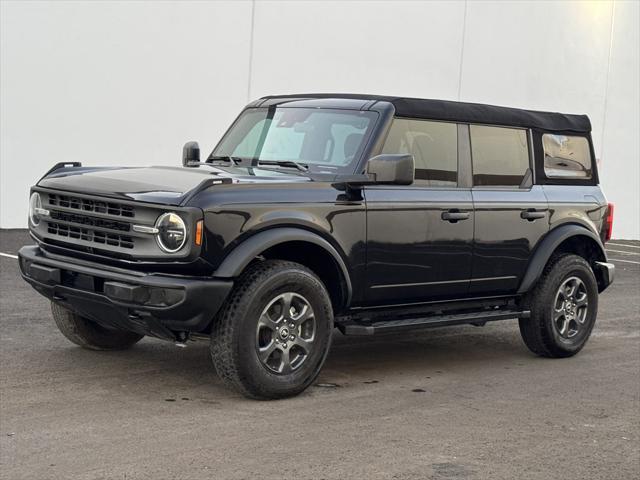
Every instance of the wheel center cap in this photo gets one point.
(284, 332)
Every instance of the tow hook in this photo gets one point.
(181, 339)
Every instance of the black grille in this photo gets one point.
(90, 235)
(88, 205)
(90, 221)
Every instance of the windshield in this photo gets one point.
(325, 140)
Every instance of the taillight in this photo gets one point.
(608, 223)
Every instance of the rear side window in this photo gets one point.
(434, 146)
(500, 155)
(566, 156)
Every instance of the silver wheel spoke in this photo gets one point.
(287, 300)
(285, 362)
(582, 302)
(265, 321)
(565, 326)
(305, 314)
(265, 353)
(304, 344)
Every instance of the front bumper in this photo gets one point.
(150, 304)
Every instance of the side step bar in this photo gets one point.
(364, 327)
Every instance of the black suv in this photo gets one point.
(371, 214)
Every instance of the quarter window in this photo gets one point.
(434, 146)
(566, 156)
(500, 155)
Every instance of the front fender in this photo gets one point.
(548, 245)
(245, 252)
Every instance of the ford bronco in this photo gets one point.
(367, 213)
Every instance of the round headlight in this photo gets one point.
(172, 232)
(35, 207)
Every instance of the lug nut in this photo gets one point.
(292, 337)
(284, 345)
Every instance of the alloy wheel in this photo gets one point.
(570, 307)
(285, 333)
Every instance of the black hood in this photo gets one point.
(165, 185)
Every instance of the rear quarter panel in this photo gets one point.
(580, 204)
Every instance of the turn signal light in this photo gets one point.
(198, 238)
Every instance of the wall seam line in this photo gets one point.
(606, 81)
(464, 31)
(250, 72)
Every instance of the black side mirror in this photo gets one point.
(396, 169)
(190, 153)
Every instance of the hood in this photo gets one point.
(165, 185)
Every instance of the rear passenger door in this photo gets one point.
(511, 214)
(419, 237)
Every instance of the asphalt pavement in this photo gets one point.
(451, 403)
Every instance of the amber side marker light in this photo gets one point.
(198, 238)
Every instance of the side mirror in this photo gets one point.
(190, 153)
(396, 169)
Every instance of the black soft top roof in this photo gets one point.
(462, 112)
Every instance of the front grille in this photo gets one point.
(90, 221)
(90, 235)
(89, 205)
(94, 225)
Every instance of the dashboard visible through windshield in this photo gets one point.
(324, 140)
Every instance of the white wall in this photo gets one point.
(130, 82)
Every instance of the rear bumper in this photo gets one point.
(606, 273)
(150, 304)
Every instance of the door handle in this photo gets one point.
(453, 216)
(532, 214)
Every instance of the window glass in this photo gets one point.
(500, 155)
(324, 139)
(566, 156)
(434, 146)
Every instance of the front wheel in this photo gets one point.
(564, 306)
(273, 335)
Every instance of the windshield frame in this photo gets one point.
(313, 167)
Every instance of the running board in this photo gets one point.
(364, 327)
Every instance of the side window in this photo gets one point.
(434, 146)
(566, 157)
(500, 155)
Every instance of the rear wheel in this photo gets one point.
(564, 306)
(273, 335)
(90, 335)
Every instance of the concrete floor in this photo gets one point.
(451, 403)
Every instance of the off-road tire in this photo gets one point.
(538, 332)
(89, 334)
(233, 336)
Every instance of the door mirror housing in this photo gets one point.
(190, 153)
(391, 169)
(386, 169)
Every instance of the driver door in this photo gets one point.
(420, 237)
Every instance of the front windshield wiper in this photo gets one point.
(285, 163)
(225, 158)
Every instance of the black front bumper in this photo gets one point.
(150, 304)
